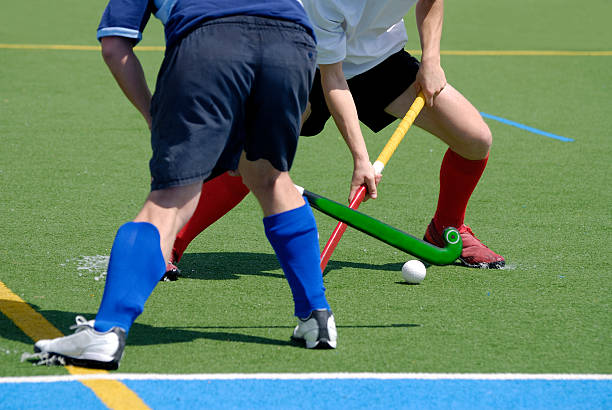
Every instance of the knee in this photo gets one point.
(170, 207)
(261, 182)
(486, 139)
(481, 142)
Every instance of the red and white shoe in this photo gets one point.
(172, 273)
(475, 254)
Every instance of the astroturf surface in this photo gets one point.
(74, 168)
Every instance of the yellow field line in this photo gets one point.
(112, 393)
(525, 53)
(518, 53)
(416, 52)
(69, 47)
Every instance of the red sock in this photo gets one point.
(458, 178)
(219, 196)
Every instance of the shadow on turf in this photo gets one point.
(231, 265)
(142, 335)
(146, 335)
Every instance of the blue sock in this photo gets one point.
(136, 265)
(293, 235)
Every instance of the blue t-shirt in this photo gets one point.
(128, 18)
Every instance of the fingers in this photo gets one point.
(372, 186)
(431, 80)
(372, 190)
(364, 175)
(378, 178)
(354, 189)
(430, 97)
(430, 94)
(427, 93)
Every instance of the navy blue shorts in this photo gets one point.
(232, 84)
(372, 92)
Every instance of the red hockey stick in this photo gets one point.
(379, 165)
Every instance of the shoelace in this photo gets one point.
(81, 323)
(50, 359)
(469, 230)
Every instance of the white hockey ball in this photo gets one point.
(414, 271)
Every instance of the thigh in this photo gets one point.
(453, 119)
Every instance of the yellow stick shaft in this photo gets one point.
(401, 130)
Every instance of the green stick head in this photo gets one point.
(390, 235)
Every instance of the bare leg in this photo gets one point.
(453, 119)
(291, 229)
(169, 209)
(273, 189)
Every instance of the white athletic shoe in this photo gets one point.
(318, 330)
(86, 347)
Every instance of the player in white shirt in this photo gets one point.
(366, 75)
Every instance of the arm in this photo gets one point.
(126, 68)
(342, 108)
(430, 78)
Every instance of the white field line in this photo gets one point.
(307, 376)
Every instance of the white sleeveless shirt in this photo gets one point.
(360, 33)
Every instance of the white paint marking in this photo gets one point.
(308, 376)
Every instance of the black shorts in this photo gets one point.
(232, 84)
(372, 92)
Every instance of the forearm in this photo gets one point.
(127, 71)
(429, 20)
(342, 108)
(430, 78)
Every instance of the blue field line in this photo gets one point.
(376, 394)
(324, 393)
(55, 395)
(526, 127)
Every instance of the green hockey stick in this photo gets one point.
(388, 234)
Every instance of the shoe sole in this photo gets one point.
(89, 363)
(322, 344)
(171, 276)
(92, 364)
(484, 265)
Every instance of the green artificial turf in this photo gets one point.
(74, 167)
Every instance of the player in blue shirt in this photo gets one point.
(229, 96)
(365, 76)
